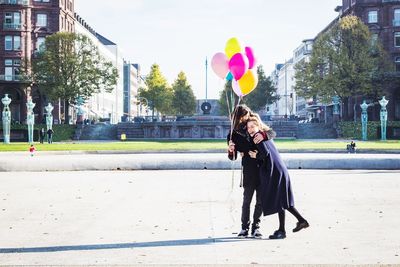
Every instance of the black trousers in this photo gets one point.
(247, 197)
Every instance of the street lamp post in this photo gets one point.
(30, 119)
(49, 116)
(140, 104)
(336, 108)
(6, 118)
(383, 102)
(364, 120)
(79, 110)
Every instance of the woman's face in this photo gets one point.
(252, 128)
(244, 117)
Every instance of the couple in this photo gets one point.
(264, 172)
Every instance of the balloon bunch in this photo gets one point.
(236, 65)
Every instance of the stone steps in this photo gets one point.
(316, 131)
(98, 132)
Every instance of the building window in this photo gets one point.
(12, 69)
(397, 62)
(397, 39)
(8, 44)
(12, 20)
(373, 16)
(12, 43)
(41, 20)
(40, 43)
(396, 17)
(17, 42)
(374, 38)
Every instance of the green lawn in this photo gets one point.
(184, 145)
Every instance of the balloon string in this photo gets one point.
(228, 103)
(234, 117)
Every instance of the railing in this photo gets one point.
(14, 2)
(388, 1)
(12, 26)
(396, 22)
(13, 78)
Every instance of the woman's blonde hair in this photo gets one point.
(257, 120)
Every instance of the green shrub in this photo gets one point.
(352, 130)
(62, 132)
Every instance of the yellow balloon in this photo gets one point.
(248, 82)
(232, 47)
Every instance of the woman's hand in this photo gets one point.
(231, 147)
(253, 154)
(258, 138)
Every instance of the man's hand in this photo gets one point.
(258, 138)
(253, 154)
(231, 147)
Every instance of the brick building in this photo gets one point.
(383, 19)
(24, 26)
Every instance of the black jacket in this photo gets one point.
(244, 144)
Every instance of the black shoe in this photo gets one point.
(255, 233)
(300, 225)
(243, 233)
(278, 235)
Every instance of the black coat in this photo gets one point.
(244, 144)
(276, 189)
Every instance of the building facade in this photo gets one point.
(105, 106)
(132, 107)
(383, 19)
(24, 27)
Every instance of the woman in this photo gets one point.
(240, 141)
(277, 195)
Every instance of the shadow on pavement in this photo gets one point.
(166, 243)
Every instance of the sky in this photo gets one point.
(179, 35)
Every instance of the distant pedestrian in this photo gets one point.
(351, 148)
(50, 136)
(32, 150)
(42, 134)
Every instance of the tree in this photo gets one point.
(346, 61)
(184, 101)
(227, 99)
(70, 66)
(264, 94)
(157, 91)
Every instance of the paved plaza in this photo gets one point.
(192, 217)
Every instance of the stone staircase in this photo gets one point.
(284, 129)
(132, 130)
(96, 132)
(316, 131)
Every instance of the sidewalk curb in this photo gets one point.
(185, 161)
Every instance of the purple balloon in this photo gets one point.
(250, 55)
(238, 65)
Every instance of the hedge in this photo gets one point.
(62, 132)
(352, 130)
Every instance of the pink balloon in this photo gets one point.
(236, 88)
(238, 65)
(250, 55)
(219, 64)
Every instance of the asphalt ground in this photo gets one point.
(192, 217)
